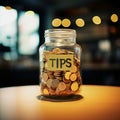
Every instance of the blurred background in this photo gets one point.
(22, 25)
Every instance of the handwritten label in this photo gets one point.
(59, 62)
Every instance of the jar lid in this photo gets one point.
(61, 32)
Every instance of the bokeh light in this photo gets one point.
(114, 18)
(80, 22)
(96, 20)
(56, 22)
(66, 22)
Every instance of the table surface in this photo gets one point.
(23, 103)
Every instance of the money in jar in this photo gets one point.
(60, 63)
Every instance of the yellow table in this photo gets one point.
(22, 103)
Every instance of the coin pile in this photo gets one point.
(60, 82)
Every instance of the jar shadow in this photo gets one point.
(60, 99)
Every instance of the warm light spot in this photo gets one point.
(80, 22)
(114, 18)
(30, 12)
(96, 20)
(56, 22)
(66, 22)
(8, 7)
(104, 45)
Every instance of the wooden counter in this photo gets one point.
(95, 103)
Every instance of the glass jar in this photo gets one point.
(60, 63)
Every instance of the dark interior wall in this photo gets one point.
(47, 9)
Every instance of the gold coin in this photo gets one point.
(52, 92)
(49, 83)
(51, 76)
(45, 92)
(77, 61)
(49, 72)
(64, 93)
(45, 54)
(74, 86)
(67, 75)
(55, 50)
(55, 83)
(68, 86)
(44, 77)
(59, 78)
(70, 52)
(66, 81)
(74, 69)
(62, 86)
(57, 73)
(42, 85)
(73, 77)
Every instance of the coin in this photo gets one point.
(59, 78)
(73, 77)
(68, 85)
(49, 72)
(49, 83)
(42, 85)
(45, 92)
(67, 75)
(60, 82)
(62, 86)
(45, 54)
(52, 92)
(55, 50)
(55, 83)
(58, 73)
(63, 51)
(66, 81)
(51, 76)
(74, 69)
(74, 86)
(44, 76)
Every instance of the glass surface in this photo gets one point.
(60, 63)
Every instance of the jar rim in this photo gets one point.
(60, 32)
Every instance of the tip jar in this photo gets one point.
(60, 64)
